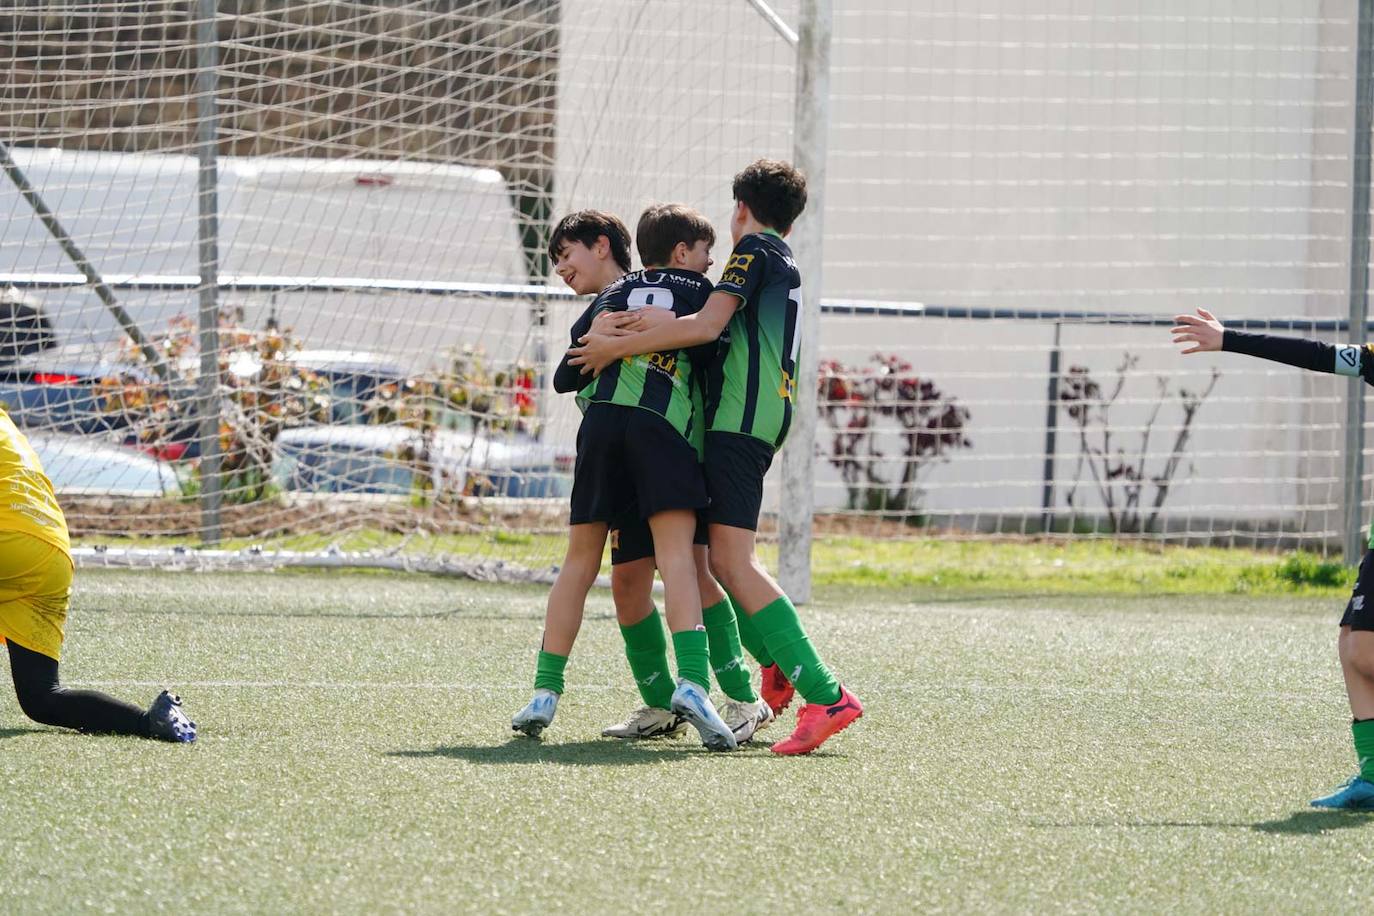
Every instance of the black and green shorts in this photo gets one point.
(632, 461)
(1359, 610)
(736, 464)
(632, 540)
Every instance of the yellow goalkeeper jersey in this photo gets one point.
(27, 503)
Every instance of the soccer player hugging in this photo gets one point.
(754, 311)
(637, 464)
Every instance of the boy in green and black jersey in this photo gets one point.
(748, 412)
(634, 454)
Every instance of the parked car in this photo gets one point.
(60, 390)
(83, 466)
(387, 461)
(354, 377)
(24, 327)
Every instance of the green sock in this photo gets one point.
(750, 637)
(727, 657)
(548, 673)
(782, 632)
(646, 648)
(1362, 730)
(693, 657)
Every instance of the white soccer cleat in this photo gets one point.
(691, 702)
(745, 718)
(647, 722)
(537, 714)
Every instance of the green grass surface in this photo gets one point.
(1070, 753)
(1080, 566)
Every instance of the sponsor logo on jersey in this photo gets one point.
(663, 362)
(737, 269)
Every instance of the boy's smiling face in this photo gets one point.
(581, 267)
(697, 257)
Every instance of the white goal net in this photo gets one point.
(1016, 202)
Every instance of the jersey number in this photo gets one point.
(794, 296)
(649, 297)
(789, 369)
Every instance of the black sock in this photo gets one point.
(45, 701)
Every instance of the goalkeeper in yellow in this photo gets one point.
(35, 587)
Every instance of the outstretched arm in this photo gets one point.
(599, 351)
(1206, 334)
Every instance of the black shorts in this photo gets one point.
(631, 460)
(735, 467)
(1359, 610)
(632, 540)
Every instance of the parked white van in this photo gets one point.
(310, 220)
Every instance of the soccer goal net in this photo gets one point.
(350, 203)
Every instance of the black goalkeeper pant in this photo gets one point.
(44, 700)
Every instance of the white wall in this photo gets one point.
(1107, 156)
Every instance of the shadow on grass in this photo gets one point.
(1312, 823)
(1316, 822)
(16, 732)
(594, 752)
(1135, 825)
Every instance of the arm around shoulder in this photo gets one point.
(687, 331)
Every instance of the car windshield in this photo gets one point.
(340, 469)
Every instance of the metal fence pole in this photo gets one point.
(810, 141)
(1359, 285)
(207, 232)
(1051, 433)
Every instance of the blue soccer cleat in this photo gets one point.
(167, 722)
(537, 714)
(1355, 794)
(691, 703)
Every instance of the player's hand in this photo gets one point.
(596, 353)
(1202, 330)
(647, 318)
(613, 324)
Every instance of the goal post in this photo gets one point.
(1354, 542)
(811, 130)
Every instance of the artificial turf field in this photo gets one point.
(1064, 753)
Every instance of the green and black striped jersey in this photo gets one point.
(753, 388)
(660, 382)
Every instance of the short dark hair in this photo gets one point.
(662, 226)
(774, 191)
(586, 226)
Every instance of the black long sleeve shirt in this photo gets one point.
(1341, 359)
